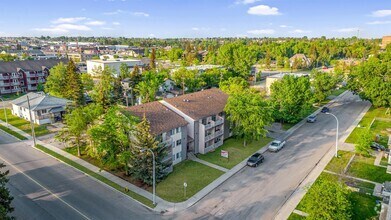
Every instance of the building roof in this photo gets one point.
(200, 104)
(161, 118)
(39, 101)
(29, 65)
(114, 61)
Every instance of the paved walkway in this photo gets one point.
(379, 156)
(300, 212)
(194, 158)
(16, 130)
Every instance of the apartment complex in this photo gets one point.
(24, 76)
(94, 65)
(204, 112)
(169, 128)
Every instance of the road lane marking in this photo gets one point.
(36, 182)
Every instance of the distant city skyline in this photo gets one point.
(196, 19)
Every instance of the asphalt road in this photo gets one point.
(258, 193)
(44, 188)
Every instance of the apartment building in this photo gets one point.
(204, 112)
(169, 128)
(115, 64)
(24, 76)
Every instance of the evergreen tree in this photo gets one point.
(152, 62)
(5, 197)
(141, 166)
(74, 87)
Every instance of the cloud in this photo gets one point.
(261, 31)
(263, 10)
(140, 14)
(68, 20)
(116, 23)
(200, 29)
(300, 31)
(63, 28)
(381, 13)
(95, 23)
(346, 30)
(246, 2)
(107, 28)
(285, 26)
(378, 22)
(116, 12)
(151, 35)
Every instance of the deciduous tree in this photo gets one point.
(5, 196)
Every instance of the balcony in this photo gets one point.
(4, 77)
(209, 137)
(32, 88)
(219, 121)
(218, 144)
(15, 76)
(41, 81)
(46, 116)
(167, 142)
(32, 81)
(218, 133)
(5, 84)
(40, 74)
(15, 83)
(209, 124)
(32, 75)
(5, 91)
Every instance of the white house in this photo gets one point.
(94, 65)
(45, 109)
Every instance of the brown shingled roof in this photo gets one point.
(29, 65)
(200, 104)
(161, 118)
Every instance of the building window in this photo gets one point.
(178, 142)
(43, 111)
(213, 117)
(177, 130)
(177, 155)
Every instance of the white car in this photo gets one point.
(276, 146)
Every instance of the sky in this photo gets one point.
(196, 18)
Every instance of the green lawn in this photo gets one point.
(195, 174)
(237, 152)
(97, 176)
(13, 133)
(384, 161)
(363, 205)
(338, 164)
(378, 126)
(12, 96)
(24, 125)
(362, 167)
(338, 92)
(295, 216)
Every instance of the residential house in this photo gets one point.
(204, 112)
(271, 79)
(299, 61)
(168, 127)
(25, 75)
(44, 109)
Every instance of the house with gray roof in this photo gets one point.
(45, 109)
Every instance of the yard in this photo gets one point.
(196, 175)
(338, 164)
(23, 125)
(378, 127)
(237, 152)
(362, 167)
(363, 205)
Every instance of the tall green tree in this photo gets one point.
(103, 92)
(291, 98)
(56, 81)
(5, 196)
(152, 62)
(323, 84)
(124, 71)
(249, 114)
(234, 85)
(364, 141)
(141, 164)
(187, 79)
(149, 86)
(112, 138)
(74, 87)
(87, 81)
(328, 200)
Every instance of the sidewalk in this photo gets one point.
(194, 158)
(291, 203)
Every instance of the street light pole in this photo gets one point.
(31, 122)
(336, 137)
(5, 112)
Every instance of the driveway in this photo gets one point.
(258, 193)
(44, 188)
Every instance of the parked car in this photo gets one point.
(276, 145)
(377, 147)
(311, 119)
(325, 109)
(255, 160)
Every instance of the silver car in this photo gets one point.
(276, 145)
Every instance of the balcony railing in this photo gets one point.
(167, 142)
(4, 77)
(219, 121)
(210, 146)
(46, 116)
(218, 144)
(32, 81)
(5, 84)
(15, 83)
(209, 137)
(209, 125)
(218, 133)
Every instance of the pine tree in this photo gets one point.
(5, 197)
(152, 62)
(74, 86)
(141, 166)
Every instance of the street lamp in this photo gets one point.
(5, 112)
(336, 137)
(153, 174)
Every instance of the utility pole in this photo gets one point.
(31, 121)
